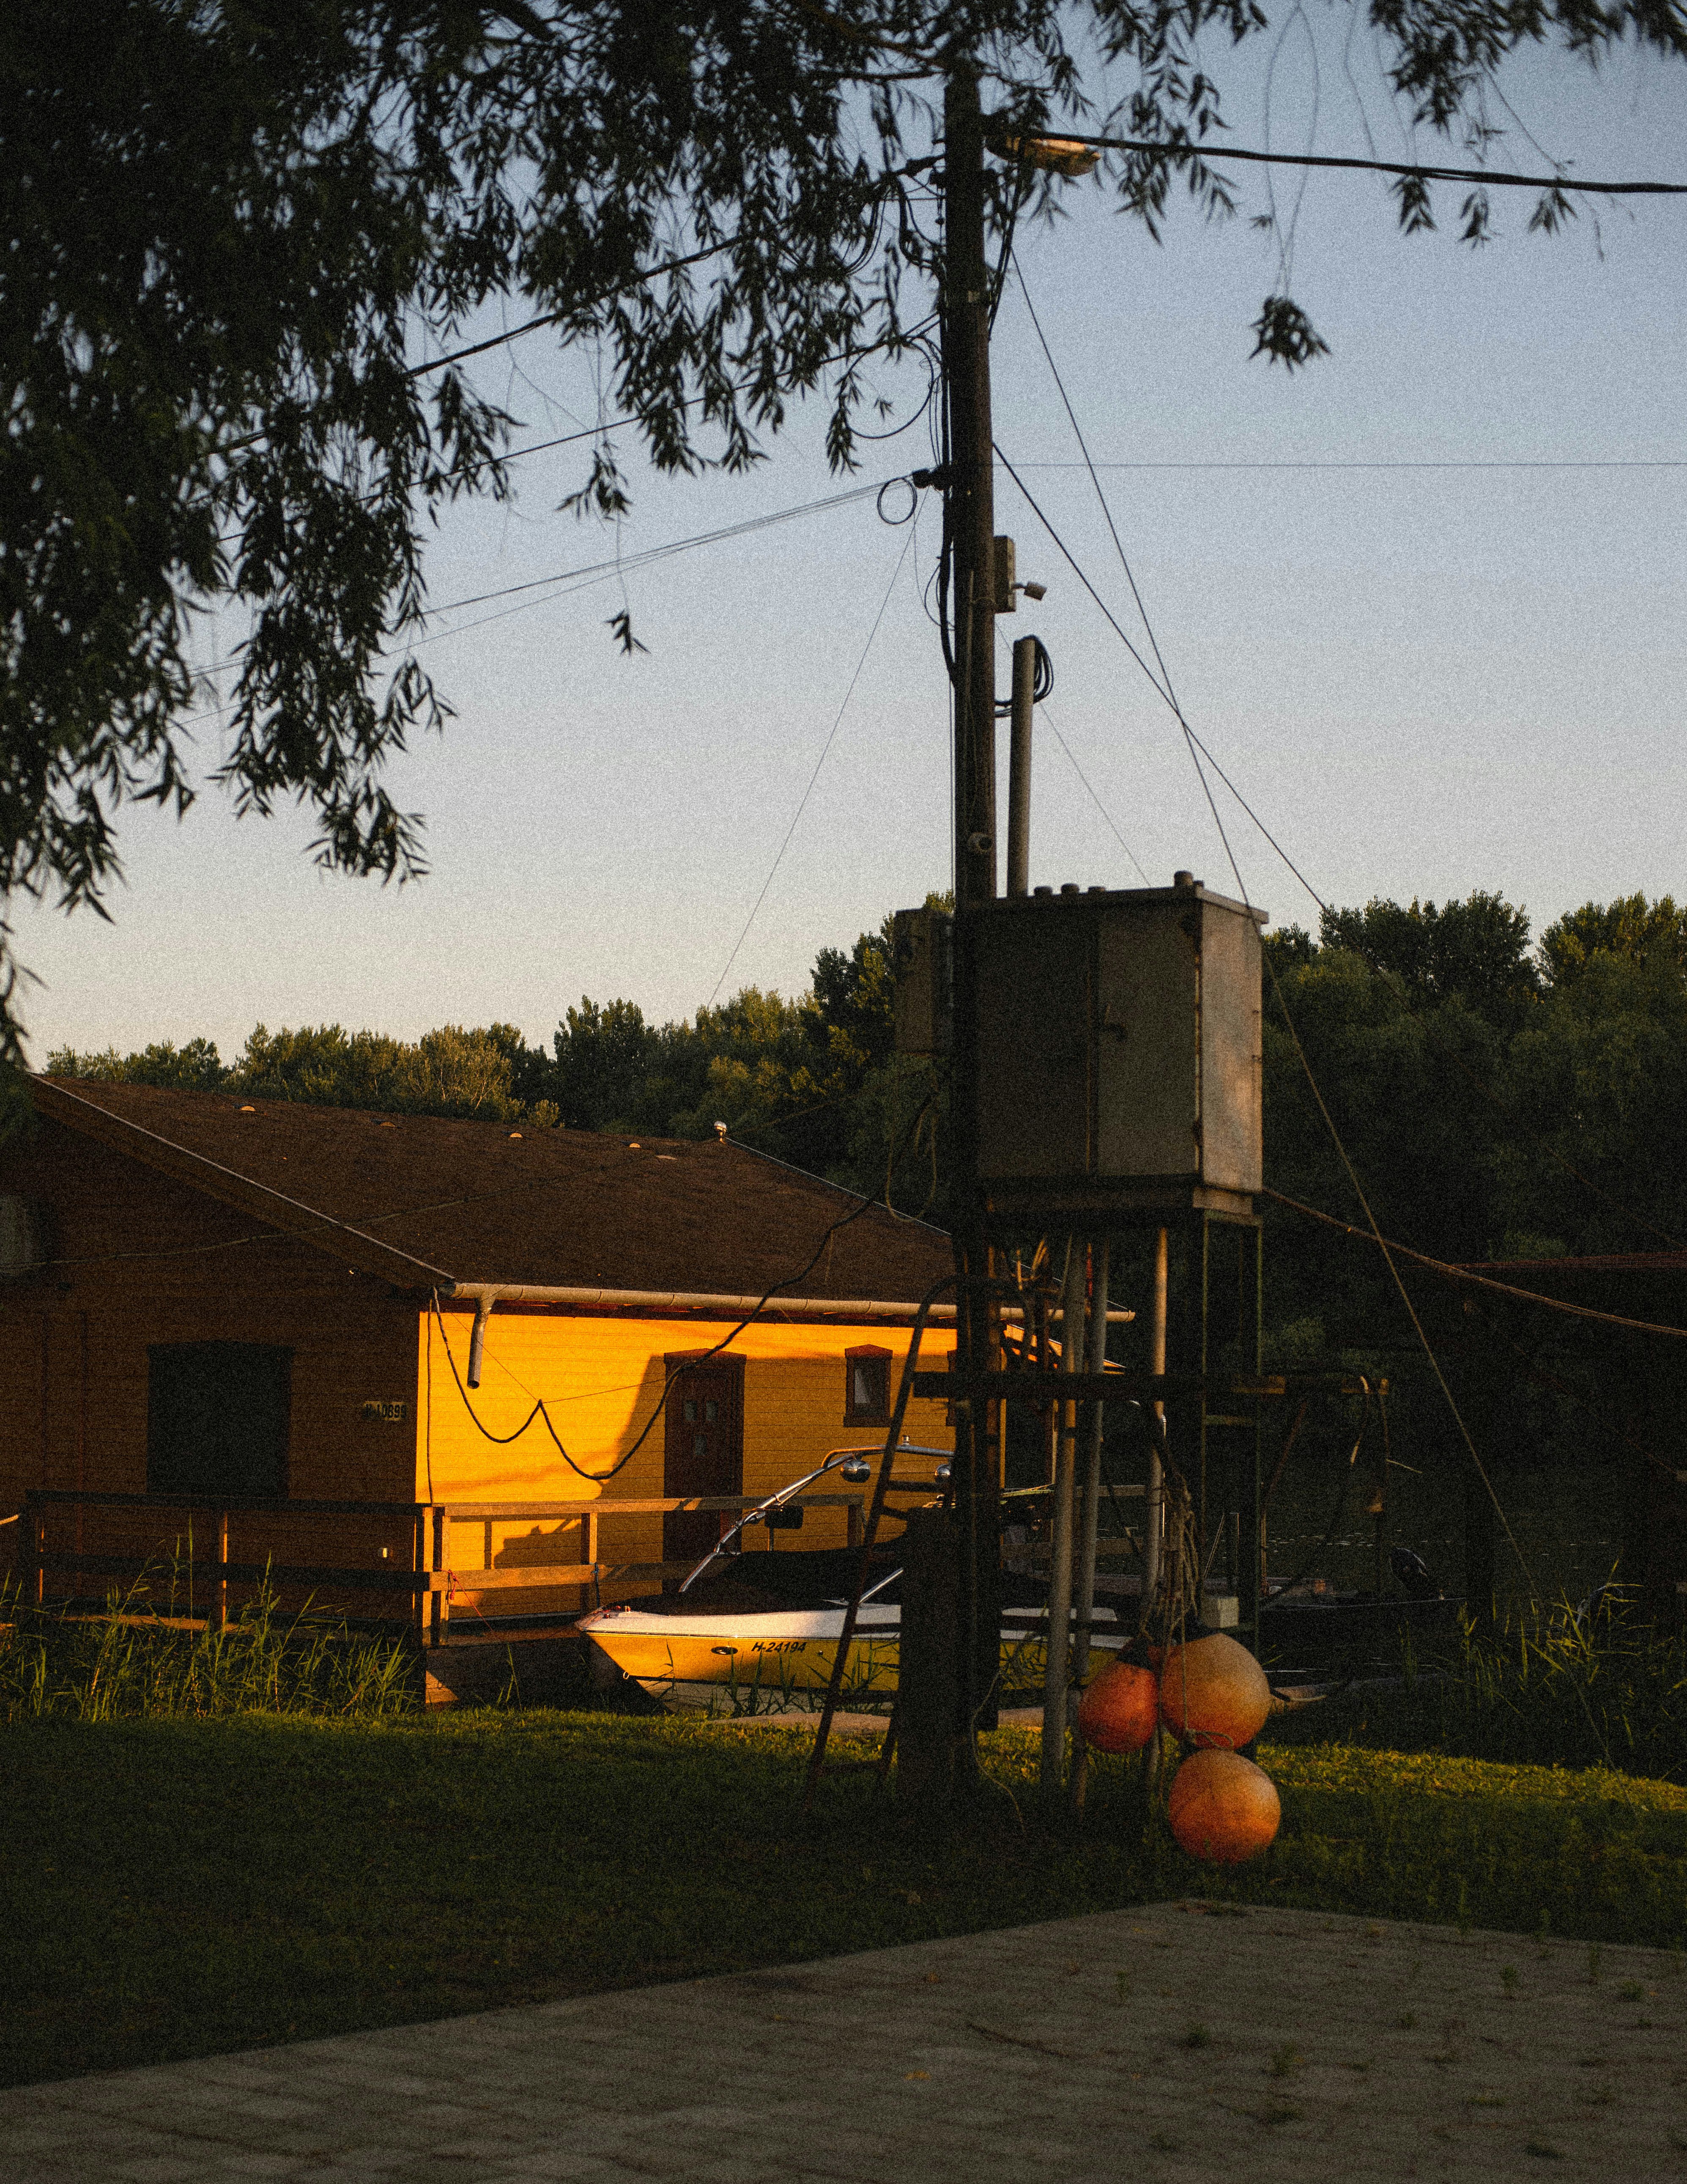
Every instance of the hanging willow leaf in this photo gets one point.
(239, 230)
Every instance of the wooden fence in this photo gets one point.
(416, 1559)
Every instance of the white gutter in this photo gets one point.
(483, 1296)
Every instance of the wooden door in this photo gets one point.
(703, 1450)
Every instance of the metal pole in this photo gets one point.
(1154, 1530)
(1056, 1673)
(1090, 1524)
(1019, 768)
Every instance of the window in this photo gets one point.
(217, 1419)
(867, 1387)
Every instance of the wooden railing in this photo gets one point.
(445, 1578)
(427, 1572)
(209, 1574)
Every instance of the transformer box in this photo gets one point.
(1119, 1056)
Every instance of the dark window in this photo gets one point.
(217, 1417)
(867, 1387)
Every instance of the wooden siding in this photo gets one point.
(601, 1378)
(138, 1259)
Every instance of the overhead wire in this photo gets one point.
(912, 338)
(1163, 684)
(1402, 463)
(595, 572)
(1484, 177)
(1453, 1273)
(1089, 787)
(825, 750)
(640, 280)
(865, 1204)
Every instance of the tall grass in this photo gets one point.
(136, 1659)
(1549, 1688)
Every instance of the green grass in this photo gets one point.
(144, 1657)
(179, 1887)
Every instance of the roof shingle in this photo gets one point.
(478, 1202)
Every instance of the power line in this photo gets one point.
(1089, 786)
(1484, 177)
(802, 802)
(1071, 759)
(596, 572)
(571, 439)
(1083, 449)
(1197, 745)
(1329, 1121)
(1426, 463)
(639, 281)
(1072, 564)
(864, 1204)
(555, 318)
(1453, 1273)
(529, 326)
(1165, 696)
(649, 553)
(584, 304)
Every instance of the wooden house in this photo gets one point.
(378, 1348)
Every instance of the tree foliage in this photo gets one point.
(245, 240)
(449, 1071)
(1496, 1102)
(1630, 927)
(1488, 1101)
(1476, 951)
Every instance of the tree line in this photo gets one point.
(1499, 1098)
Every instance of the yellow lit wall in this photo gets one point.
(601, 1378)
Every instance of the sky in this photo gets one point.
(1423, 600)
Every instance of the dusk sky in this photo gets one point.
(1425, 679)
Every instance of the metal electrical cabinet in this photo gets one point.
(1119, 1052)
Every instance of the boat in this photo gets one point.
(1319, 1629)
(773, 1621)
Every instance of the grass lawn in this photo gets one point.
(174, 1888)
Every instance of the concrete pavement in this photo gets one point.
(1175, 2042)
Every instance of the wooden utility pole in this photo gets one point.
(972, 500)
(970, 517)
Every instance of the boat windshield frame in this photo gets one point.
(725, 1550)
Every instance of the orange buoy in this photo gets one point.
(1222, 1808)
(1213, 1693)
(1120, 1710)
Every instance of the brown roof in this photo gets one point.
(427, 1202)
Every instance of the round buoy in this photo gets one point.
(1222, 1808)
(1213, 1694)
(1120, 1710)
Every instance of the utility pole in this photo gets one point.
(970, 517)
